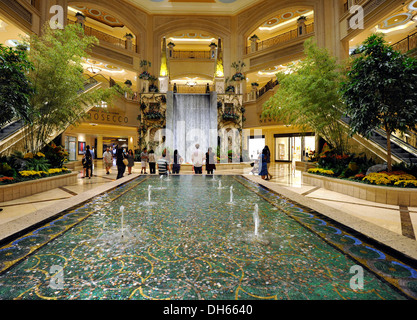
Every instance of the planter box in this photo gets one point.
(379, 194)
(24, 189)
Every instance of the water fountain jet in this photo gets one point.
(256, 220)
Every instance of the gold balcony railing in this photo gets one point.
(281, 38)
(197, 89)
(105, 37)
(197, 55)
(406, 44)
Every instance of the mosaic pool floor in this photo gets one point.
(191, 242)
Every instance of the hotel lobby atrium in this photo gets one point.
(208, 150)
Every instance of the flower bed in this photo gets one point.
(404, 196)
(351, 175)
(29, 175)
(36, 184)
(355, 168)
(394, 179)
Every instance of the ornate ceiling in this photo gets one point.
(194, 6)
(99, 15)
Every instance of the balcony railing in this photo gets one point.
(282, 38)
(406, 44)
(197, 89)
(102, 36)
(197, 55)
(254, 95)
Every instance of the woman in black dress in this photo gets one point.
(121, 166)
(210, 164)
(176, 165)
(88, 164)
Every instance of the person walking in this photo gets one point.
(268, 161)
(108, 160)
(152, 162)
(144, 158)
(263, 169)
(197, 159)
(130, 161)
(176, 165)
(210, 164)
(121, 166)
(93, 156)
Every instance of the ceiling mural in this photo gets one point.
(200, 1)
(194, 6)
(100, 16)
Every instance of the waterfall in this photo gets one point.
(191, 119)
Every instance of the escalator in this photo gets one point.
(12, 134)
(399, 148)
(11, 128)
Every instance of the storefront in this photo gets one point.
(103, 127)
(294, 147)
(255, 146)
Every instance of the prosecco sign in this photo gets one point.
(99, 115)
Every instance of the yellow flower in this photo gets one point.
(406, 183)
(29, 155)
(40, 155)
(53, 171)
(32, 173)
(320, 170)
(387, 179)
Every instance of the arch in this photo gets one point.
(248, 21)
(204, 24)
(123, 12)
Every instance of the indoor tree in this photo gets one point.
(15, 86)
(380, 90)
(57, 76)
(308, 97)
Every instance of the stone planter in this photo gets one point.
(24, 189)
(379, 194)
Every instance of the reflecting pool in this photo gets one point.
(194, 237)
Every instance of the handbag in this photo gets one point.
(125, 162)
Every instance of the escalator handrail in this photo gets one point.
(402, 144)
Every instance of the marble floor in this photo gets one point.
(383, 221)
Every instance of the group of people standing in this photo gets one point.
(124, 159)
(172, 164)
(165, 164)
(198, 160)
